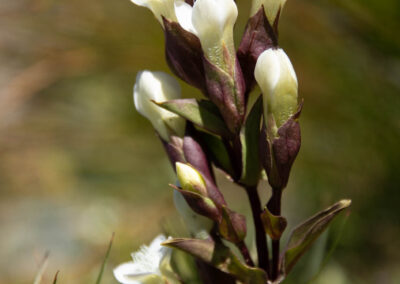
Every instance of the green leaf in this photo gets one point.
(305, 234)
(274, 225)
(202, 113)
(105, 260)
(249, 138)
(217, 152)
(232, 226)
(56, 277)
(221, 257)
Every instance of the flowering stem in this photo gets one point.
(275, 208)
(261, 238)
(245, 253)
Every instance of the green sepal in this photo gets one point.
(249, 138)
(306, 233)
(202, 113)
(274, 225)
(232, 226)
(221, 257)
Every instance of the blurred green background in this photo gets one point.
(78, 162)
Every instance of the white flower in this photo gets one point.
(213, 21)
(147, 265)
(275, 75)
(159, 8)
(271, 8)
(159, 87)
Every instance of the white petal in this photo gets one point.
(160, 8)
(143, 3)
(277, 79)
(126, 273)
(213, 21)
(156, 243)
(268, 69)
(183, 12)
(159, 87)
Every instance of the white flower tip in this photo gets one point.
(158, 87)
(271, 8)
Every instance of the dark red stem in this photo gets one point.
(261, 238)
(274, 206)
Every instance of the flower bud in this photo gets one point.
(158, 87)
(275, 75)
(271, 8)
(213, 21)
(190, 179)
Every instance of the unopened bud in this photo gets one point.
(271, 8)
(158, 87)
(275, 75)
(190, 179)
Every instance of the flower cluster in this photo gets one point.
(228, 131)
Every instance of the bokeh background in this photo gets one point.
(78, 162)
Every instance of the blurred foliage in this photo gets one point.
(77, 162)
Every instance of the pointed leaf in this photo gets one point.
(274, 225)
(249, 138)
(221, 257)
(227, 92)
(259, 35)
(103, 265)
(203, 113)
(56, 277)
(184, 54)
(305, 234)
(232, 226)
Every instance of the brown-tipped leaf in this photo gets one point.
(259, 35)
(305, 234)
(227, 92)
(184, 54)
(221, 257)
(274, 225)
(232, 226)
(279, 153)
(202, 113)
(200, 204)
